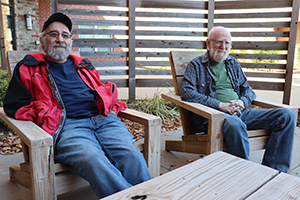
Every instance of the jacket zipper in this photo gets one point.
(59, 100)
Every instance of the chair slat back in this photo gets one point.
(13, 57)
(179, 61)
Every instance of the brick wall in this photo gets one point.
(39, 10)
(27, 39)
(44, 11)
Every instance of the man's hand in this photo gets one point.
(238, 106)
(238, 103)
(233, 107)
(225, 107)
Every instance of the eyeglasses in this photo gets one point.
(55, 34)
(221, 42)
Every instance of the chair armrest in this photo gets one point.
(30, 133)
(152, 137)
(140, 117)
(215, 119)
(197, 108)
(268, 104)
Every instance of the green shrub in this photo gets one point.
(156, 106)
(4, 81)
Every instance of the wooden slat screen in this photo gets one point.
(158, 30)
(261, 38)
(132, 48)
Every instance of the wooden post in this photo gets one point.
(131, 46)
(2, 42)
(54, 6)
(291, 53)
(211, 15)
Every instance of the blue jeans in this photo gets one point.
(100, 150)
(280, 121)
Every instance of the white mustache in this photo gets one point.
(59, 45)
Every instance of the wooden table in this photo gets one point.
(216, 176)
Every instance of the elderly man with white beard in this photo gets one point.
(216, 79)
(63, 94)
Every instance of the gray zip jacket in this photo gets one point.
(199, 85)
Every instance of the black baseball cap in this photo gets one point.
(58, 17)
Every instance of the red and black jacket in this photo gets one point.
(33, 94)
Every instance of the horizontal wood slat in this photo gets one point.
(119, 43)
(263, 66)
(172, 24)
(173, 4)
(253, 15)
(255, 45)
(170, 44)
(171, 15)
(120, 3)
(123, 54)
(125, 63)
(265, 75)
(99, 31)
(152, 63)
(171, 33)
(152, 54)
(242, 4)
(261, 34)
(104, 54)
(99, 22)
(138, 72)
(105, 43)
(91, 12)
(142, 82)
(110, 63)
(266, 86)
(260, 56)
(148, 23)
(254, 24)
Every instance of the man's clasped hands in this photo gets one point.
(233, 107)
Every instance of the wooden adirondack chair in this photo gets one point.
(213, 141)
(46, 179)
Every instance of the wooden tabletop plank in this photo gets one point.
(216, 176)
(283, 186)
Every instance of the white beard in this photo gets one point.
(219, 55)
(57, 54)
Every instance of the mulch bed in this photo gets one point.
(138, 131)
(10, 145)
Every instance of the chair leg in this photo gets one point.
(152, 147)
(42, 173)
